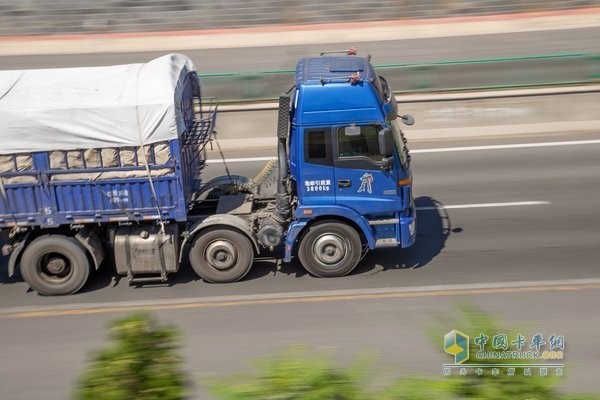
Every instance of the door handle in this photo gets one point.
(344, 183)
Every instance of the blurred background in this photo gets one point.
(37, 17)
(247, 50)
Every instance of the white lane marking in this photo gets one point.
(299, 295)
(234, 160)
(444, 149)
(506, 146)
(485, 205)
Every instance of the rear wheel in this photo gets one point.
(329, 249)
(221, 254)
(55, 265)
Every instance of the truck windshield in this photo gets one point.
(399, 141)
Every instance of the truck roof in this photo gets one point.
(316, 70)
(326, 92)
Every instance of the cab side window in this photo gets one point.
(317, 147)
(359, 150)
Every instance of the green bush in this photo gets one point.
(294, 374)
(139, 364)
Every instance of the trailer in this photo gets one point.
(106, 163)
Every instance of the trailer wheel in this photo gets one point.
(329, 249)
(55, 265)
(221, 254)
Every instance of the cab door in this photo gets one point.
(314, 167)
(361, 182)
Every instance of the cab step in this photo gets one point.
(158, 278)
(389, 221)
(391, 242)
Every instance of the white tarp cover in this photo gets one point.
(92, 107)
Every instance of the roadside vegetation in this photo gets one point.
(141, 364)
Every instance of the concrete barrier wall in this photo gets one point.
(26, 17)
(478, 74)
(449, 116)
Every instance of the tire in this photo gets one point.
(55, 265)
(234, 249)
(329, 249)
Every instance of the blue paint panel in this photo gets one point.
(123, 196)
(22, 200)
(369, 191)
(52, 203)
(340, 102)
(292, 235)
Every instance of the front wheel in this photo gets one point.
(329, 249)
(221, 254)
(55, 265)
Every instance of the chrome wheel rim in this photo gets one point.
(221, 254)
(330, 249)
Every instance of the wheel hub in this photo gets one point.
(56, 265)
(221, 254)
(330, 249)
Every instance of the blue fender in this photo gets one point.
(323, 212)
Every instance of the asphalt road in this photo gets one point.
(480, 244)
(249, 59)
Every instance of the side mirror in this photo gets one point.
(407, 119)
(387, 163)
(386, 142)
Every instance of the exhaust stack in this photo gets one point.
(282, 197)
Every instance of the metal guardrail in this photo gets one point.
(442, 76)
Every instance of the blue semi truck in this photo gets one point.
(104, 166)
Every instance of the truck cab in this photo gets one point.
(349, 163)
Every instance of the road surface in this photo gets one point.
(250, 59)
(512, 227)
